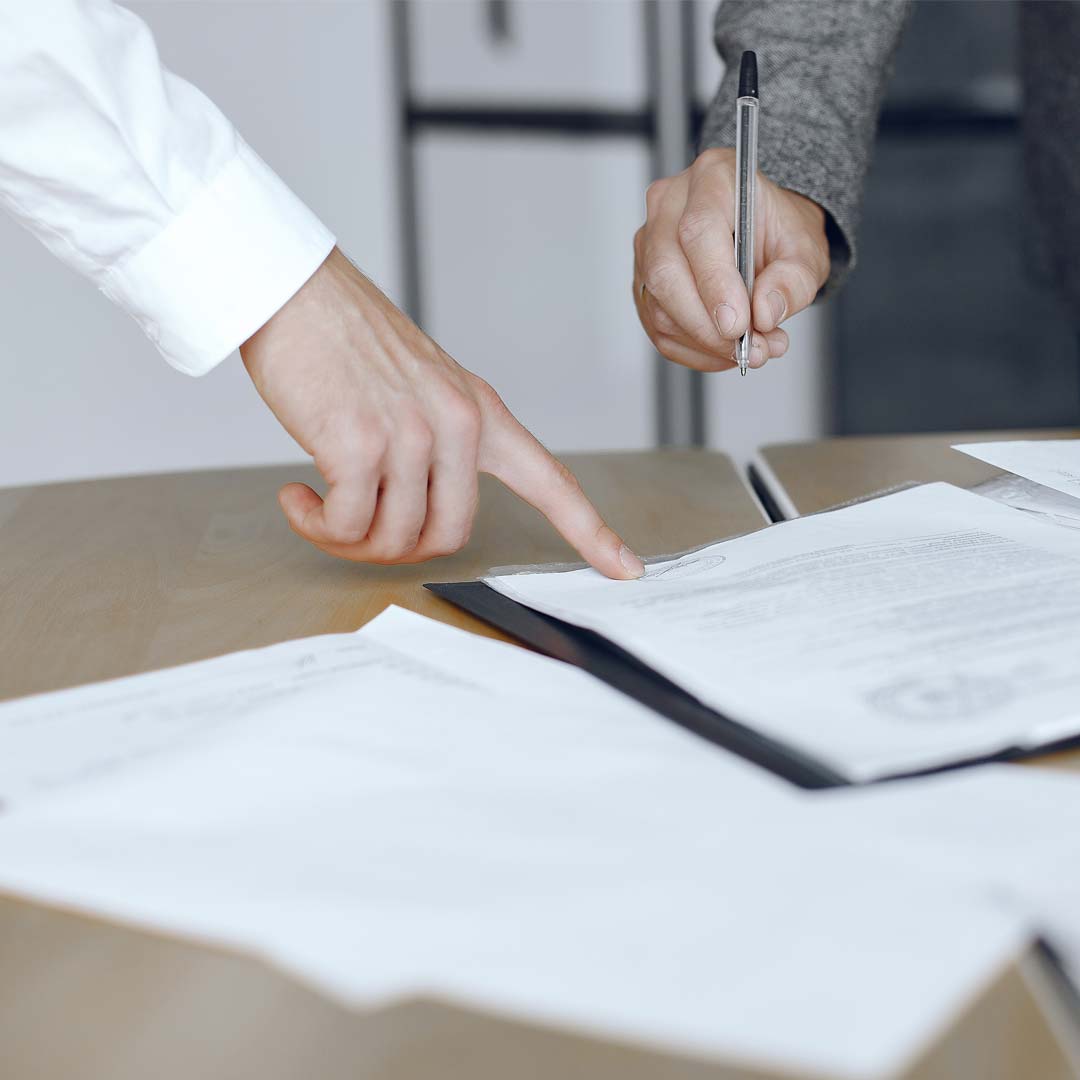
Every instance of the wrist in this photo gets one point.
(292, 311)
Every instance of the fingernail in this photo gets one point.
(725, 319)
(758, 356)
(631, 563)
(779, 307)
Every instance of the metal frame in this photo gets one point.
(669, 28)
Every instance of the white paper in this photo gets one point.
(1011, 832)
(434, 813)
(95, 733)
(1048, 505)
(909, 631)
(1042, 477)
(1054, 463)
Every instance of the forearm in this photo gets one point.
(824, 66)
(133, 177)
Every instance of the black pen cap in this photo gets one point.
(748, 75)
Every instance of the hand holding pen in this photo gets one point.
(690, 296)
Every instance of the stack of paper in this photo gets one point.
(412, 810)
(913, 631)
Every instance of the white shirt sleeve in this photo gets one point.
(133, 177)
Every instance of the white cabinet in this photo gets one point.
(310, 86)
(567, 52)
(526, 273)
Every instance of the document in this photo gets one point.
(1042, 477)
(415, 811)
(1053, 463)
(1050, 506)
(911, 631)
(94, 734)
(997, 829)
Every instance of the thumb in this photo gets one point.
(515, 457)
(782, 289)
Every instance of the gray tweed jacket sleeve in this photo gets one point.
(823, 67)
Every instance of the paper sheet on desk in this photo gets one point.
(914, 630)
(1053, 463)
(1029, 482)
(1012, 831)
(440, 814)
(1050, 506)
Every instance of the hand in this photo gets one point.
(689, 295)
(399, 431)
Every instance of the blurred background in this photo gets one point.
(485, 161)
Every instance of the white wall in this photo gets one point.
(785, 401)
(83, 392)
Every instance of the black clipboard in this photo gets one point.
(614, 665)
(607, 661)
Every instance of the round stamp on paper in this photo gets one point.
(944, 698)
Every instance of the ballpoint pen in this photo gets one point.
(746, 121)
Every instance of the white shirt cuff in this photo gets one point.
(225, 264)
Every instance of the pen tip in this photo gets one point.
(748, 75)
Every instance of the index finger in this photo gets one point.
(706, 235)
(665, 272)
(514, 456)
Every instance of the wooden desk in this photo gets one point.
(805, 477)
(114, 577)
